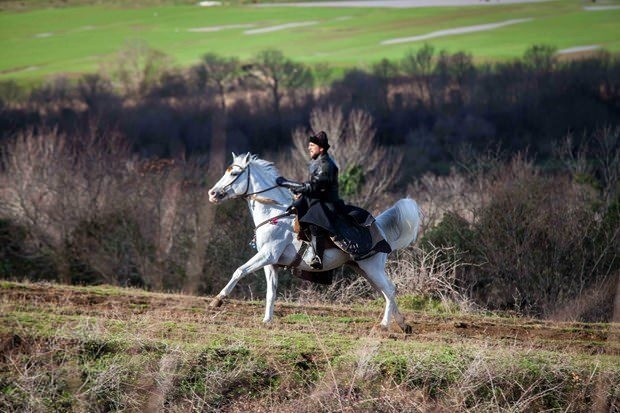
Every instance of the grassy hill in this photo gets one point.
(109, 349)
(39, 42)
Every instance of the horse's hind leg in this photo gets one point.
(373, 269)
(271, 276)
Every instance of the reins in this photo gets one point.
(246, 194)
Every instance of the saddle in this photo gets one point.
(359, 236)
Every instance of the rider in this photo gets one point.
(319, 204)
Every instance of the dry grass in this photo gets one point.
(104, 349)
(429, 274)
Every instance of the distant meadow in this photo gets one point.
(79, 39)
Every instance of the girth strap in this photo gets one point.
(299, 255)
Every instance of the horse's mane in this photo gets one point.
(267, 166)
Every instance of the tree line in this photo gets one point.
(429, 103)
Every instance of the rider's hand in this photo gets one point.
(303, 188)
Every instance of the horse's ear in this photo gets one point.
(248, 156)
(234, 156)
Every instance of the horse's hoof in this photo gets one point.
(401, 328)
(216, 302)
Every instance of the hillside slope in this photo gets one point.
(109, 349)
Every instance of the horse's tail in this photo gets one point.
(400, 223)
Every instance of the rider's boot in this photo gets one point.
(318, 246)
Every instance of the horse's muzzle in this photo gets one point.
(216, 196)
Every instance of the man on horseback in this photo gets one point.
(358, 236)
(319, 204)
(323, 214)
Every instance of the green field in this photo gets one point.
(38, 43)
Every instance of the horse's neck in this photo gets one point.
(262, 211)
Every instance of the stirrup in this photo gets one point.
(316, 263)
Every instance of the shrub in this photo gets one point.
(18, 259)
(105, 250)
(536, 242)
(453, 231)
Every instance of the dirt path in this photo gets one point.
(356, 322)
(279, 27)
(456, 30)
(211, 29)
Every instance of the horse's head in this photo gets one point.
(235, 182)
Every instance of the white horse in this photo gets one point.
(254, 180)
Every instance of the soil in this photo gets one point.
(587, 338)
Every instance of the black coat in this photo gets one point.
(352, 229)
(320, 203)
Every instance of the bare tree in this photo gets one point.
(322, 73)
(540, 57)
(596, 157)
(419, 66)
(607, 155)
(91, 89)
(455, 72)
(278, 74)
(137, 66)
(52, 183)
(385, 71)
(218, 71)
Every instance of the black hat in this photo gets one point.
(320, 139)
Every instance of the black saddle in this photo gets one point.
(359, 239)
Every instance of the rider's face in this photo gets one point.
(314, 150)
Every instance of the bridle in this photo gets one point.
(245, 193)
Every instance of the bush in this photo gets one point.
(105, 250)
(18, 260)
(453, 232)
(535, 244)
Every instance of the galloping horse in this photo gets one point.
(254, 180)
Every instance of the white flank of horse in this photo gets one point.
(253, 179)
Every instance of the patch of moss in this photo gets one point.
(96, 348)
(297, 318)
(306, 319)
(8, 285)
(425, 303)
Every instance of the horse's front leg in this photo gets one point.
(262, 258)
